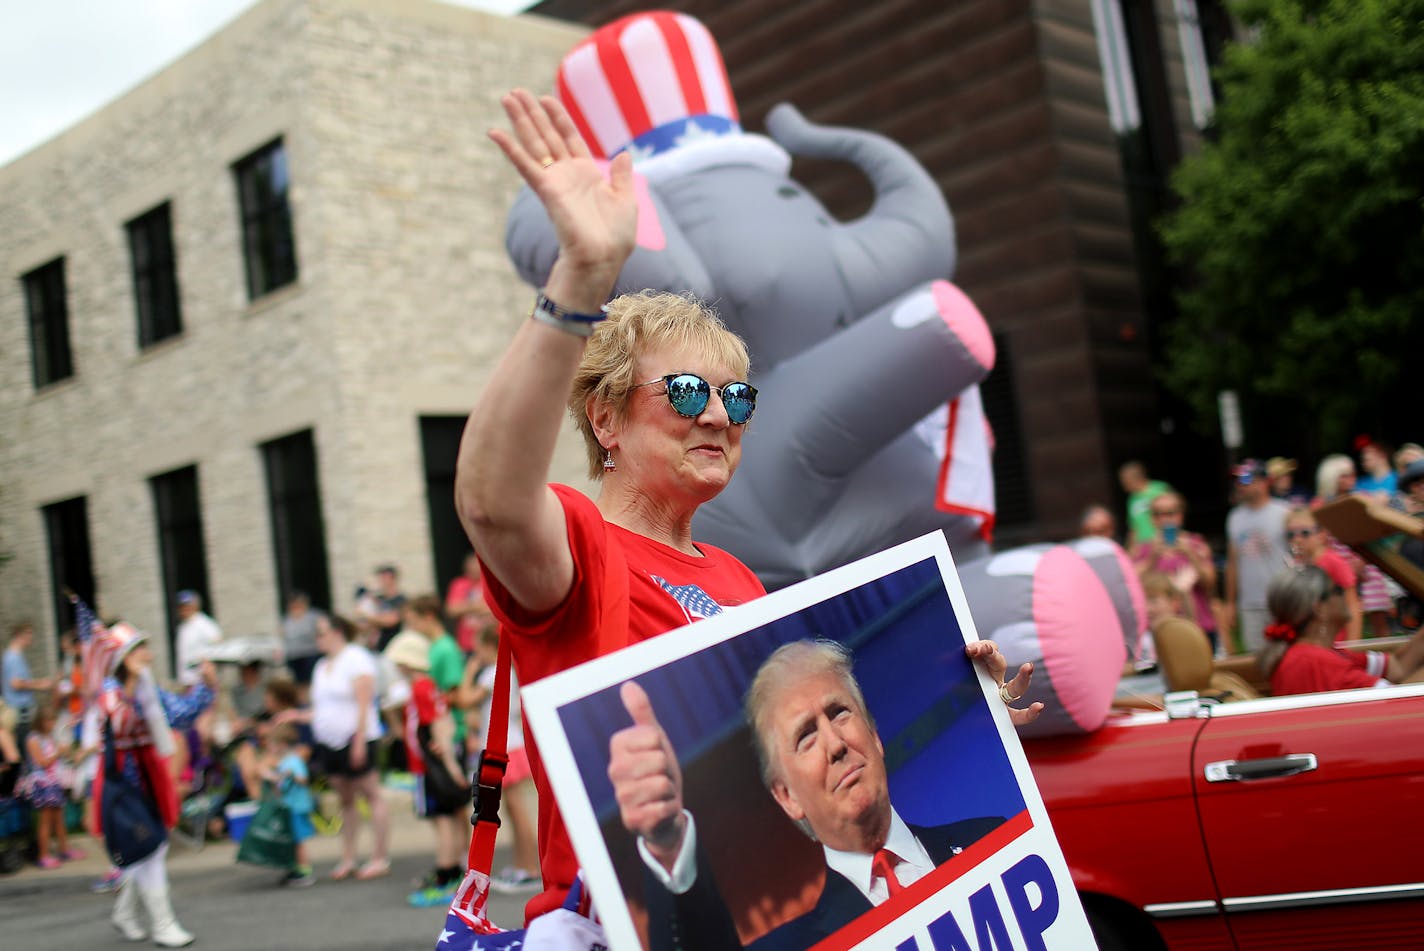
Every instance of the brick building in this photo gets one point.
(247, 307)
(1051, 127)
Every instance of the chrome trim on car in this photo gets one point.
(1329, 698)
(1335, 896)
(1182, 909)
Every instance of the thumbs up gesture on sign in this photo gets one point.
(647, 782)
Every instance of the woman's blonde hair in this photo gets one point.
(1328, 473)
(636, 323)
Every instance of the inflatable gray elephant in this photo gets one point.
(869, 429)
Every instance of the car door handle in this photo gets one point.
(1234, 771)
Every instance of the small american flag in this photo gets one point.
(695, 602)
(94, 648)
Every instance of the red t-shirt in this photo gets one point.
(666, 589)
(1309, 668)
(462, 591)
(425, 706)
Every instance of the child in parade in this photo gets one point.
(46, 786)
(136, 721)
(286, 769)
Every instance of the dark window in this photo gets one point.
(267, 242)
(49, 323)
(181, 554)
(155, 276)
(440, 441)
(1013, 494)
(71, 567)
(298, 532)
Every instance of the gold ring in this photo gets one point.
(546, 161)
(1005, 696)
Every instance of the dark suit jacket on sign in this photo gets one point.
(699, 920)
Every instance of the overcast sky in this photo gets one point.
(61, 60)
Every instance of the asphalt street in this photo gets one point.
(231, 907)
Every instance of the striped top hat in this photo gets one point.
(647, 83)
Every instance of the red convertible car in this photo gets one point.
(1284, 822)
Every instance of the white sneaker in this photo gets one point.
(512, 881)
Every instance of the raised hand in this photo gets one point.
(987, 653)
(595, 216)
(647, 781)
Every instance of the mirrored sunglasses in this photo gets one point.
(689, 393)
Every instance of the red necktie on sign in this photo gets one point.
(883, 864)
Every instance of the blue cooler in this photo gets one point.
(238, 815)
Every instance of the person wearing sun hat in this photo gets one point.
(1280, 473)
(137, 719)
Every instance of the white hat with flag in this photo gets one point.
(117, 641)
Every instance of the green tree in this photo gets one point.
(1301, 226)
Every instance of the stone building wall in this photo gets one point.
(403, 302)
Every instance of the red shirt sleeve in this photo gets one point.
(1357, 673)
(588, 544)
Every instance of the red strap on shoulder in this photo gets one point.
(494, 759)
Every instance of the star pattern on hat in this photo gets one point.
(692, 132)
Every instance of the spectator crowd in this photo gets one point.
(321, 716)
(1236, 593)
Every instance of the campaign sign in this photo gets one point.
(927, 765)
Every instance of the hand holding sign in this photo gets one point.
(988, 654)
(647, 781)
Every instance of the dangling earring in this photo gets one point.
(608, 464)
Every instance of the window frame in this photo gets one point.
(47, 313)
(153, 263)
(300, 556)
(182, 543)
(269, 248)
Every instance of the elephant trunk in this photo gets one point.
(907, 236)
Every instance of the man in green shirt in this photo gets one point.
(1140, 493)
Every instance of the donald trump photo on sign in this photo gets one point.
(824, 765)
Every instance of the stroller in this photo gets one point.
(210, 778)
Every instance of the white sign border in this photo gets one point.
(541, 702)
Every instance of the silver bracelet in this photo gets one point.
(567, 326)
(572, 322)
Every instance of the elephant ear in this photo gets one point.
(663, 259)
